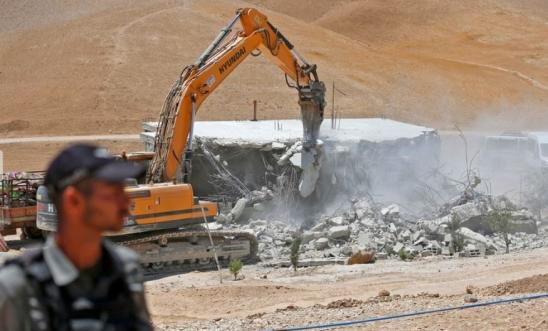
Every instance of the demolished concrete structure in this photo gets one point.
(254, 166)
(252, 155)
(473, 214)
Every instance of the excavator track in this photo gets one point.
(180, 250)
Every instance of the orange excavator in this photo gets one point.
(165, 221)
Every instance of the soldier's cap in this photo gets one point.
(85, 161)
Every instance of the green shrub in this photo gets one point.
(295, 248)
(235, 266)
(405, 255)
(500, 221)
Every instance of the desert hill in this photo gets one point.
(103, 66)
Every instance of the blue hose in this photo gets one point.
(416, 313)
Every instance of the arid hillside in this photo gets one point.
(103, 66)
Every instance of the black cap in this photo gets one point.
(82, 161)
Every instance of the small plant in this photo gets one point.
(235, 266)
(295, 248)
(405, 255)
(457, 240)
(500, 221)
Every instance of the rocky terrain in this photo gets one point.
(266, 297)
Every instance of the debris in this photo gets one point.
(344, 303)
(321, 243)
(470, 298)
(391, 213)
(308, 236)
(398, 247)
(268, 182)
(362, 258)
(310, 162)
(296, 148)
(472, 251)
(384, 293)
(472, 236)
(338, 220)
(365, 240)
(337, 232)
(470, 289)
(277, 145)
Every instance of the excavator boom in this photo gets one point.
(173, 144)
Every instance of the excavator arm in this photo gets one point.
(173, 142)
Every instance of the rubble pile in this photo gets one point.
(255, 169)
(391, 234)
(472, 213)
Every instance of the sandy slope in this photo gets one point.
(103, 66)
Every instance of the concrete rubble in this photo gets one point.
(383, 231)
(257, 176)
(390, 234)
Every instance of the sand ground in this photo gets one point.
(276, 298)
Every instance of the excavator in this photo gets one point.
(167, 224)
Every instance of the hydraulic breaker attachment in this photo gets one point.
(312, 102)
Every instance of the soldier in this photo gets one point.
(78, 280)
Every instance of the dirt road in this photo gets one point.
(197, 300)
(47, 139)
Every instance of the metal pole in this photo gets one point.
(254, 111)
(333, 107)
(212, 245)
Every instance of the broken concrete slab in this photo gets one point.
(237, 210)
(321, 243)
(308, 236)
(278, 146)
(336, 221)
(391, 212)
(319, 227)
(398, 247)
(368, 222)
(405, 235)
(471, 235)
(421, 241)
(365, 240)
(339, 232)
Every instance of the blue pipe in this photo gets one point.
(416, 313)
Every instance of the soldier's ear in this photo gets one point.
(72, 199)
